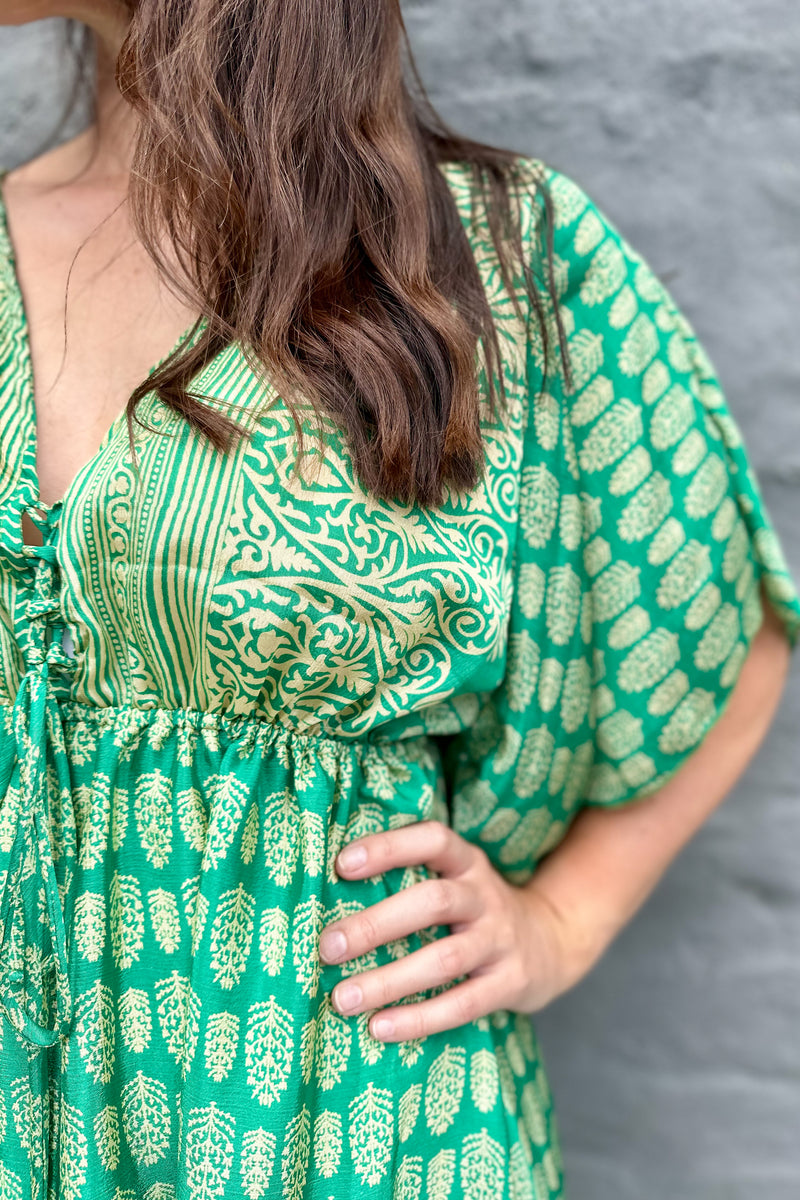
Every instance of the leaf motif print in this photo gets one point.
(333, 1044)
(520, 1182)
(126, 918)
(650, 661)
(257, 1162)
(165, 919)
(250, 834)
(640, 346)
(685, 575)
(295, 1156)
(209, 732)
(605, 276)
(533, 764)
(92, 813)
(304, 766)
(327, 1143)
(646, 510)
(106, 1136)
(179, 1017)
(307, 926)
(9, 818)
(119, 817)
(308, 1048)
(146, 1118)
(159, 729)
(550, 679)
(160, 1191)
(94, 1031)
(74, 1152)
(199, 920)
(484, 1082)
(82, 742)
(312, 842)
(26, 1110)
(483, 1167)
(269, 1047)
(273, 938)
(384, 771)
(228, 796)
(179, 1110)
(89, 927)
(222, 1034)
(10, 1184)
(129, 732)
(135, 1020)
(209, 1151)
(192, 818)
(232, 935)
(409, 1111)
(508, 1089)
(444, 1088)
(514, 1052)
(371, 1048)
(533, 1114)
(335, 839)
(538, 506)
(563, 604)
(546, 421)
(409, 1051)
(407, 1184)
(441, 1175)
(365, 820)
(187, 743)
(195, 906)
(281, 836)
(371, 1133)
(154, 816)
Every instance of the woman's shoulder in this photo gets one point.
(557, 215)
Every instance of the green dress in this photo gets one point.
(216, 672)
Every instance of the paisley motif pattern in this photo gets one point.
(218, 670)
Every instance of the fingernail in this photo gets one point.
(348, 997)
(332, 945)
(382, 1027)
(353, 856)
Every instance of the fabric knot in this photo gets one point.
(42, 606)
(46, 552)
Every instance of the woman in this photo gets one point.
(511, 656)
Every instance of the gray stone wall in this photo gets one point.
(676, 1063)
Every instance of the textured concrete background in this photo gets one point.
(676, 1063)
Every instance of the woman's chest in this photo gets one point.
(90, 316)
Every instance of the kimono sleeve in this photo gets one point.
(642, 551)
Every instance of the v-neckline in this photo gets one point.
(23, 343)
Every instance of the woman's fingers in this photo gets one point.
(437, 963)
(430, 842)
(429, 902)
(459, 1005)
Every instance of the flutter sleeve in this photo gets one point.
(642, 550)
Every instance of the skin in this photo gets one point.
(518, 947)
(68, 220)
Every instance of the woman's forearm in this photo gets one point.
(611, 859)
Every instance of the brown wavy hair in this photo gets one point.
(293, 162)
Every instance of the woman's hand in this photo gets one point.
(506, 939)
